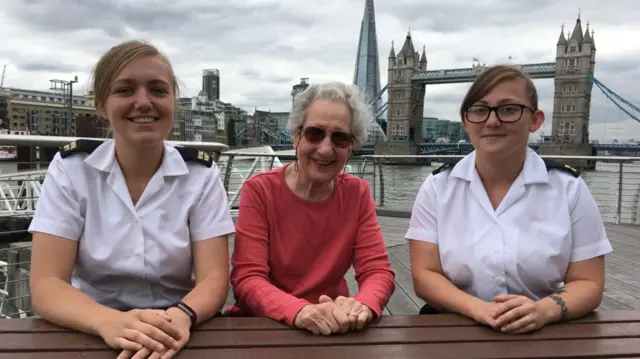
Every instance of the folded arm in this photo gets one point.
(52, 296)
(250, 274)
(585, 277)
(581, 294)
(432, 286)
(371, 261)
(210, 224)
(428, 281)
(211, 269)
(56, 227)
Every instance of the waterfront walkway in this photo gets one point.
(622, 284)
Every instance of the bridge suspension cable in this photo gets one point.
(616, 99)
(382, 108)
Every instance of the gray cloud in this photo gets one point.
(113, 17)
(262, 48)
(266, 76)
(33, 66)
(504, 15)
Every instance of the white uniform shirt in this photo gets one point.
(132, 256)
(547, 220)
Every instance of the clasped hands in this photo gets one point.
(147, 333)
(333, 316)
(510, 314)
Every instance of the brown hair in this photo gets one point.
(114, 60)
(493, 76)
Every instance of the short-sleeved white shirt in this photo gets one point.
(132, 256)
(547, 220)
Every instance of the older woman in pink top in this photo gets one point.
(302, 226)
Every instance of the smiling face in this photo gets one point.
(324, 142)
(490, 135)
(140, 102)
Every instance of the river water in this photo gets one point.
(401, 184)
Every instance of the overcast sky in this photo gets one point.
(263, 47)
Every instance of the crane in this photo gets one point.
(4, 69)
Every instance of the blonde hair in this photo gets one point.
(114, 60)
(492, 77)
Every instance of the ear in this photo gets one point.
(464, 123)
(296, 141)
(101, 112)
(537, 121)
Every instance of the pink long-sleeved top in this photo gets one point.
(289, 251)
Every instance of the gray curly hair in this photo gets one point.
(361, 115)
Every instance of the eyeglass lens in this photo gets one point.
(316, 134)
(505, 113)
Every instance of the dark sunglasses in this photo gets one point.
(316, 134)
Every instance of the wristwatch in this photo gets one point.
(188, 311)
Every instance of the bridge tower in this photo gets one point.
(405, 102)
(575, 61)
(405, 97)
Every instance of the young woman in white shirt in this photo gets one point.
(503, 236)
(130, 234)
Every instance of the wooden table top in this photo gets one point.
(606, 334)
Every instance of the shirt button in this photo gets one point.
(135, 252)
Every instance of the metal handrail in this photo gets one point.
(563, 157)
(236, 166)
(36, 140)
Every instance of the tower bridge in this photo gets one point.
(572, 73)
(408, 75)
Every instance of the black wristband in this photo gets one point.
(188, 311)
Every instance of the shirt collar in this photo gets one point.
(104, 159)
(533, 171)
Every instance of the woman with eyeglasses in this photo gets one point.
(303, 225)
(503, 236)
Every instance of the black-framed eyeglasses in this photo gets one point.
(508, 113)
(315, 135)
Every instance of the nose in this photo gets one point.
(325, 148)
(142, 99)
(493, 119)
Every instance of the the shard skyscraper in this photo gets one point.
(367, 70)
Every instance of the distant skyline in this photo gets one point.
(263, 48)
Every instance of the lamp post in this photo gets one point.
(64, 88)
(70, 118)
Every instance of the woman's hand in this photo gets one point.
(183, 324)
(322, 319)
(485, 313)
(359, 314)
(140, 328)
(518, 314)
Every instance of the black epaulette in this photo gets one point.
(560, 166)
(191, 154)
(79, 146)
(448, 163)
